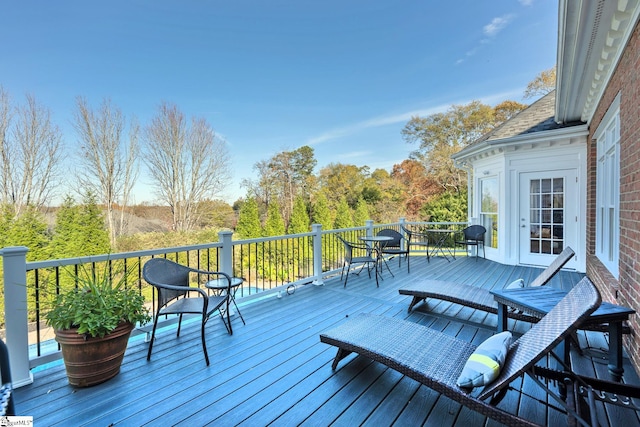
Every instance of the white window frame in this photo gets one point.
(607, 138)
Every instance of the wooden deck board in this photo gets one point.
(274, 370)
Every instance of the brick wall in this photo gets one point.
(625, 290)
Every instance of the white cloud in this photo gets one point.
(490, 31)
(391, 119)
(355, 154)
(467, 55)
(371, 123)
(526, 2)
(497, 25)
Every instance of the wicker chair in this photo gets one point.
(436, 359)
(7, 406)
(350, 258)
(417, 240)
(176, 296)
(474, 296)
(473, 236)
(396, 247)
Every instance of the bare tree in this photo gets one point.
(542, 84)
(108, 160)
(188, 162)
(31, 151)
(5, 147)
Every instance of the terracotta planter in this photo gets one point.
(91, 361)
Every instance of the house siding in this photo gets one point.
(624, 290)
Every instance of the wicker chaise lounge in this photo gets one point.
(474, 296)
(436, 359)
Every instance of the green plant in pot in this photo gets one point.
(93, 322)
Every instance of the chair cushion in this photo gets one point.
(484, 365)
(518, 283)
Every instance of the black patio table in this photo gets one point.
(377, 242)
(539, 300)
(439, 238)
(220, 285)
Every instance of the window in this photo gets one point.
(489, 210)
(608, 188)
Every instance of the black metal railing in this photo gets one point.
(266, 265)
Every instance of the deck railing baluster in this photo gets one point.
(266, 264)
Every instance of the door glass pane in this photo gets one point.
(558, 185)
(535, 201)
(546, 215)
(535, 186)
(558, 200)
(558, 215)
(558, 232)
(535, 216)
(557, 247)
(535, 246)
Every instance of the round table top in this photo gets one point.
(222, 283)
(375, 238)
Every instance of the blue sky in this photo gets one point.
(343, 76)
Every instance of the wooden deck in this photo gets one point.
(275, 371)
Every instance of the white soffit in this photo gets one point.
(592, 35)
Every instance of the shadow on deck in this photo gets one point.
(275, 371)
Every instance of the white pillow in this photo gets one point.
(519, 283)
(484, 365)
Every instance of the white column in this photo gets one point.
(316, 229)
(369, 225)
(403, 223)
(15, 313)
(226, 256)
(226, 259)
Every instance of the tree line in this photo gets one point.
(185, 157)
(427, 186)
(189, 164)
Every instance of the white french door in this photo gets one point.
(548, 217)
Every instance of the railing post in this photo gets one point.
(369, 226)
(474, 249)
(316, 229)
(226, 256)
(14, 261)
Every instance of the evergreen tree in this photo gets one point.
(321, 213)
(361, 213)
(7, 214)
(30, 230)
(344, 219)
(447, 207)
(92, 230)
(248, 226)
(66, 236)
(274, 265)
(299, 222)
(274, 226)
